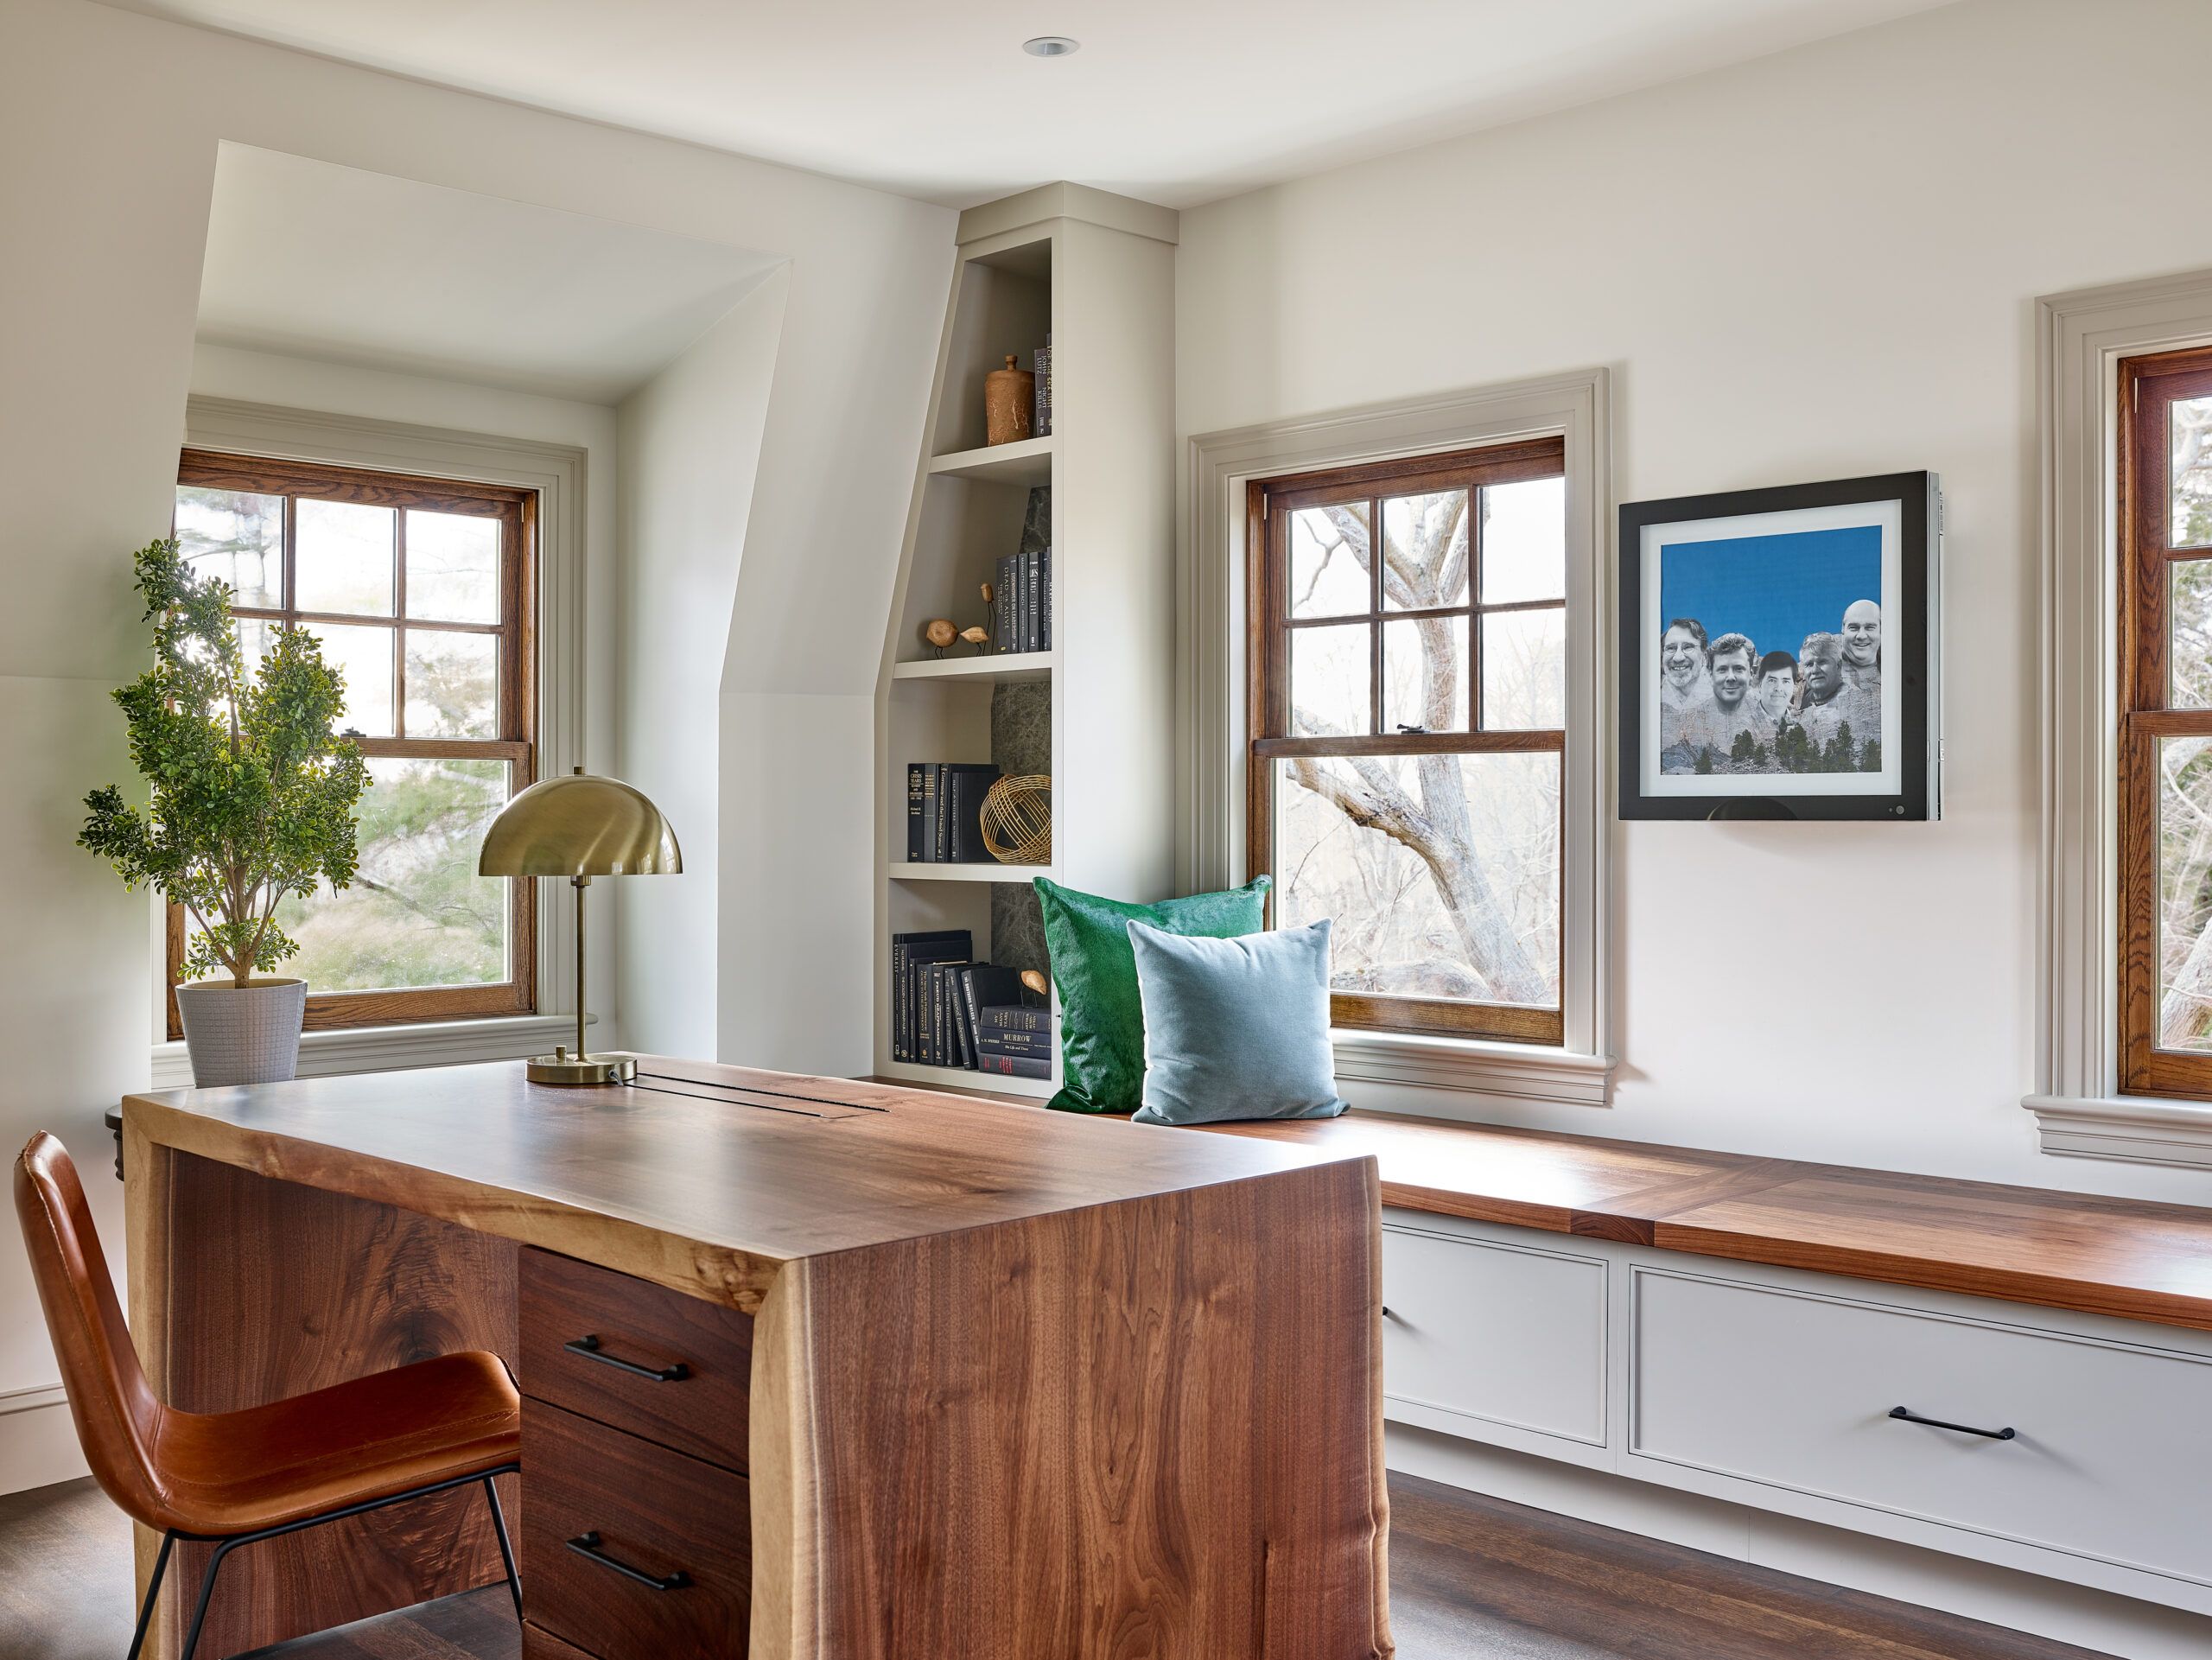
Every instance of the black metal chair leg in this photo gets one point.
(207, 1591)
(224, 1546)
(153, 1591)
(506, 1551)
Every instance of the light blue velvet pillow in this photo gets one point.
(1235, 1028)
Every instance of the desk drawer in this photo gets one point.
(2109, 1459)
(654, 1512)
(647, 1328)
(538, 1644)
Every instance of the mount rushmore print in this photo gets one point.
(1777, 652)
(1770, 659)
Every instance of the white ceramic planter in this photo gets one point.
(248, 1035)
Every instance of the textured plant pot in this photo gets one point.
(248, 1035)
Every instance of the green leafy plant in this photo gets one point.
(252, 790)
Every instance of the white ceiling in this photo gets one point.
(1173, 101)
(327, 262)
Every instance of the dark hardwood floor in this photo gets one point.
(1471, 1579)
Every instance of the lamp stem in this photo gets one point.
(566, 1069)
(581, 882)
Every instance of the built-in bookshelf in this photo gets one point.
(1094, 273)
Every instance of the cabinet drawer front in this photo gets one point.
(538, 1644)
(2111, 1457)
(1495, 1333)
(645, 1327)
(654, 1511)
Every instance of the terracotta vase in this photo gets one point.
(1009, 404)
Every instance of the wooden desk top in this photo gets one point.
(2125, 1257)
(702, 1177)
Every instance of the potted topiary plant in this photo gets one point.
(252, 799)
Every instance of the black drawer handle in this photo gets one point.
(587, 1544)
(1912, 1417)
(587, 1347)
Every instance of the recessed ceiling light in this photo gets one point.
(1050, 46)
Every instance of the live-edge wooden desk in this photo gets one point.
(963, 1381)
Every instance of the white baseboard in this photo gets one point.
(2097, 1620)
(38, 1443)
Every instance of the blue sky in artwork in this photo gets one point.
(1775, 588)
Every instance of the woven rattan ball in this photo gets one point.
(1018, 821)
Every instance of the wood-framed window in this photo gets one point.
(1407, 738)
(423, 592)
(2165, 512)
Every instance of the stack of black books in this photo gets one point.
(1013, 1038)
(944, 808)
(947, 1010)
(1021, 602)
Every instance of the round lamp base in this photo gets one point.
(561, 1067)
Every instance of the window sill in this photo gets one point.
(1471, 1066)
(2139, 1129)
(397, 1048)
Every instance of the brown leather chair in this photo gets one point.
(233, 1478)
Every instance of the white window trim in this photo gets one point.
(557, 473)
(2080, 338)
(1211, 643)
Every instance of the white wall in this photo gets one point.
(109, 124)
(798, 954)
(691, 446)
(1815, 265)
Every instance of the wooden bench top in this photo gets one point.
(2126, 1257)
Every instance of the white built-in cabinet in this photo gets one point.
(1774, 1389)
(1096, 272)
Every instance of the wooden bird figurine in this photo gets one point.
(978, 638)
(940, 633)
(1035, 980)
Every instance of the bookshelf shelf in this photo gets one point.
(914, 871)
(1027, 462)
(1008, 666)
(1092, 275)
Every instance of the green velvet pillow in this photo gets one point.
(1102, 1013)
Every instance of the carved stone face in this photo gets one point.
(1823, 672)
(1776, 688)
(1680, 655)
(1732, 678)
(1862, 634)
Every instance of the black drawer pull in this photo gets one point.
(587, 1544)
(587, 1347)
(1912, 1417)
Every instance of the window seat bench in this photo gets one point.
(2129, 1258)
(2010, 1375)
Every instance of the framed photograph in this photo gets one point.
(1778, 652)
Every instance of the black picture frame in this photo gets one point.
(1652, 784)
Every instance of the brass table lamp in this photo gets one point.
(580, 827)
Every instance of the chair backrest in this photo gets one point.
(116, 1410)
